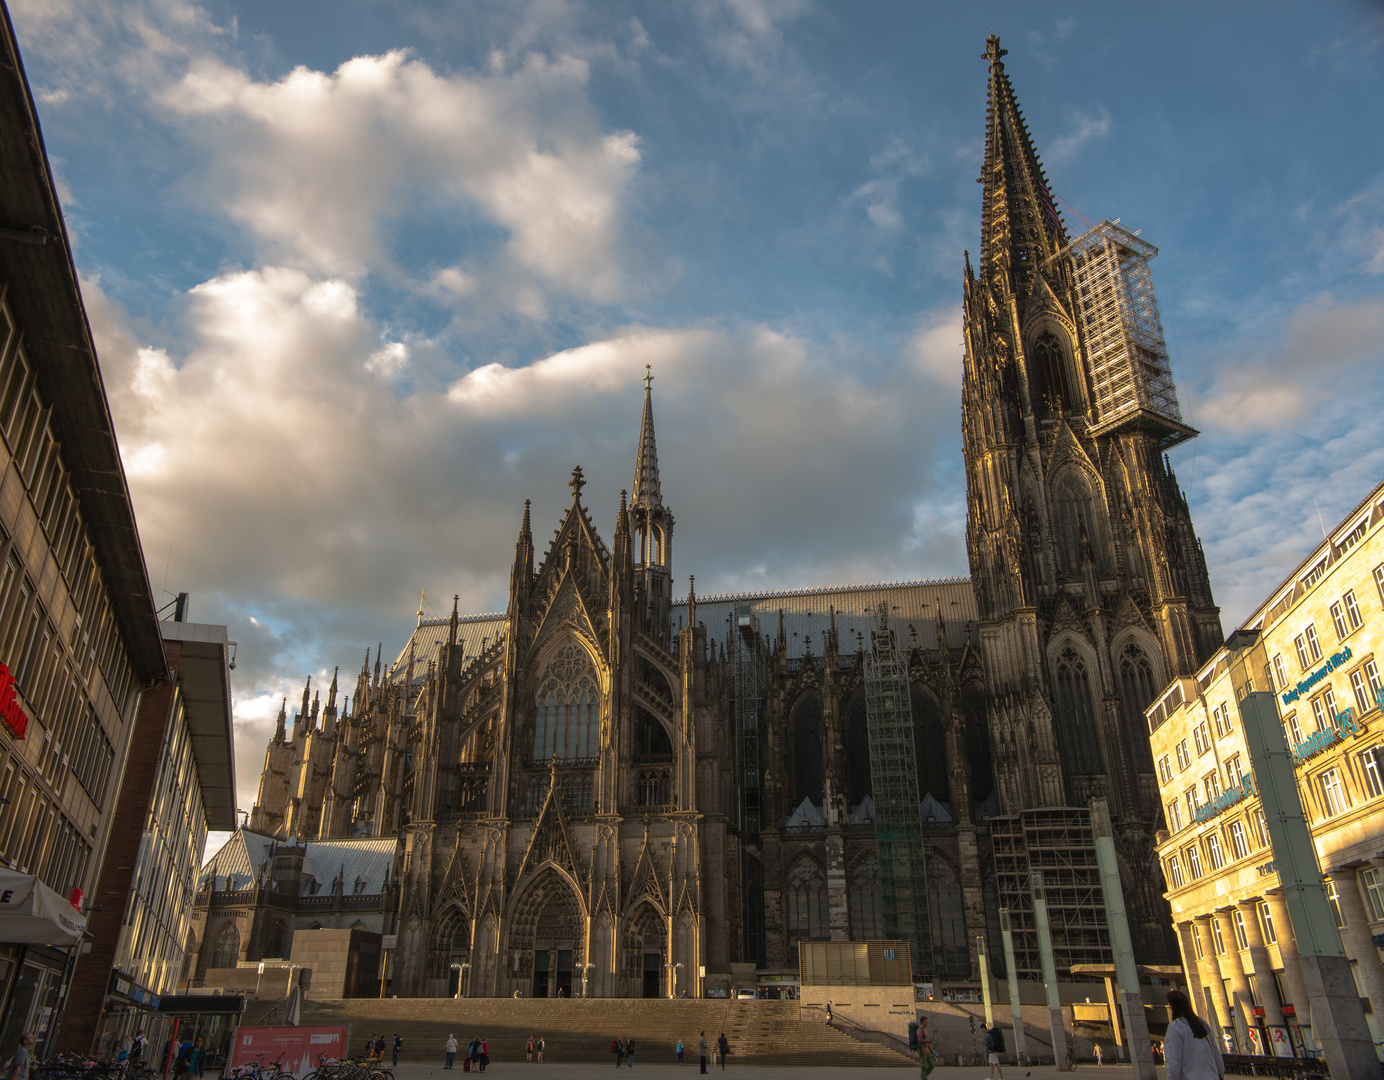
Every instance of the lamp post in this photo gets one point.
(464, 979)
(457, 968)
(675, 970)
(585, 971)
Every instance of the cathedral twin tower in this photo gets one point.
(607, 788)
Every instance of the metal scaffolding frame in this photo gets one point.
(1060, 843)
(899, 850)
(1131, 375)
(749, 664)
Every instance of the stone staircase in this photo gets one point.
(759, 1032)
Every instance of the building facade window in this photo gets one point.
(1372, 772)
(1193, 804)
(1074, 709)
(1363, 698)
(1333, 794)
(1196, 942)
(1266, 923)
(865, 916)
(1338, 619)
(1319, 713)
(1260, 826)
(1202, 738)
(1372, 680)
(808, 918)
(568, 707)
(1329, 700)
(1294, 729)
(1174, 872)
(1300, 643)
(1174, 816)
(1212, 783)
(1314, 649)
(1217, 941)
(1234, 772)
(1280, 671)
(1334, 899)
(1353, 619)
(1165, 768)
(1237, 917)
(1239, 843)
(1194, 861)
(1374, 893)
(1183, 757)
(1379, 581)
(1224, 724)
(1214, 855)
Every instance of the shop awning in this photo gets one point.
(33, 914)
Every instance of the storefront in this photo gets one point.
(39, 935)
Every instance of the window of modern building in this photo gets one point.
(1174, 872)
(1333, 898)
(1239, 843)
(1202, 738)
(1241, 937)
(1193, 861)
(1353, 619)
(1214, 855)
(1175, 816)
(1266, 923)
(1280, 671)
(1333, 794)
(1217, 941)
(1314, 649)
(1372, 772)
(1338, 619)
(1374, 893)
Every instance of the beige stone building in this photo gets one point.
(1320, 627)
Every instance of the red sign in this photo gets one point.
(297, 1047)
(12, 713)
(75, 897)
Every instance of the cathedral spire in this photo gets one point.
(1020, 225)
(331, 693)
(279, 731)
(647, 492)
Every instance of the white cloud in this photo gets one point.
(317, 165)
(1083, 128)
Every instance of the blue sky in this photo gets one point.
(365, 275)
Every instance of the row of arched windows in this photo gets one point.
(1076, 722)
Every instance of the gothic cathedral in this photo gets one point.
(608, 790)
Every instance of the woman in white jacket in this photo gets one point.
(1190, 1047)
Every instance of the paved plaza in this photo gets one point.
(657, 1065)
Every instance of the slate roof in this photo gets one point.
(369, 858)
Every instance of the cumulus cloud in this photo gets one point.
(1313, 352)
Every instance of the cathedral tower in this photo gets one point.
(1091, 584)
(653, 532)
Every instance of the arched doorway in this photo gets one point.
(450, 945)
(645, 951)
(547, 937)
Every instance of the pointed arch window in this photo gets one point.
(1076, 719)
(808, 918)
(864, 900)
(805, 742)
(568, 707)
(1076, 521)
(1053, 392)
(1137, 688)
(227, 951)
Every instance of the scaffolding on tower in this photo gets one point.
(899, 850)
(1131, 375)
(749, 662)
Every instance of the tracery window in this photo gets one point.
(1075, 519)
(227, 951)
(808, 918)
(1137, 687)
(1076, 721)
(864, 900)
(805, 735)
(568, 707)
(1050, 368)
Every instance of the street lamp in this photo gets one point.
(464, 977)
(457, 968)
(585, 971)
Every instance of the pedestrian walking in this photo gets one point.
(451, 1051)
(1098, 1057)
(485, 1054)
(539, 1048)
(379, 1049)
(138, 1046)
(22, 1058)
(927, 1061)
(701, 1050)
(722, 1048)
(618, 1049)
(994, 1047)
(679, 1051)
(1188, 1048)
(629, 1052)
(398, 1042)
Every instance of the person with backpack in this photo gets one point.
(1188, 1048)
(679, 1051)
(538, 1047)
(722, 1049)
(398, 1043)
(994, 1047)
(451, 1051)
(927, 1061)
(618, 1049)
(137, 1047)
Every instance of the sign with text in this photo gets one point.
(12, 714)
(297, 1047)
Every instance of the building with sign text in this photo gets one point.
(1321, 628)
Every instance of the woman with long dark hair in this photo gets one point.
(1190, 1049)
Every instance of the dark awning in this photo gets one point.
(202, 1003)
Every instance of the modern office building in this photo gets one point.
(179, 782)
(79, 639)
(1320, 629)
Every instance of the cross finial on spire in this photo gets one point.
(577, 482)
(993, 52)
(648, 376)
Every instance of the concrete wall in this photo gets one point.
(344, 963)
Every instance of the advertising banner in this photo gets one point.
(297, 1047)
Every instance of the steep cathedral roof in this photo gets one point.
(647, 492)
(1020, 226)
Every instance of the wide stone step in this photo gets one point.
(759, 1032)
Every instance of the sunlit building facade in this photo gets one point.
(1321, 628)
